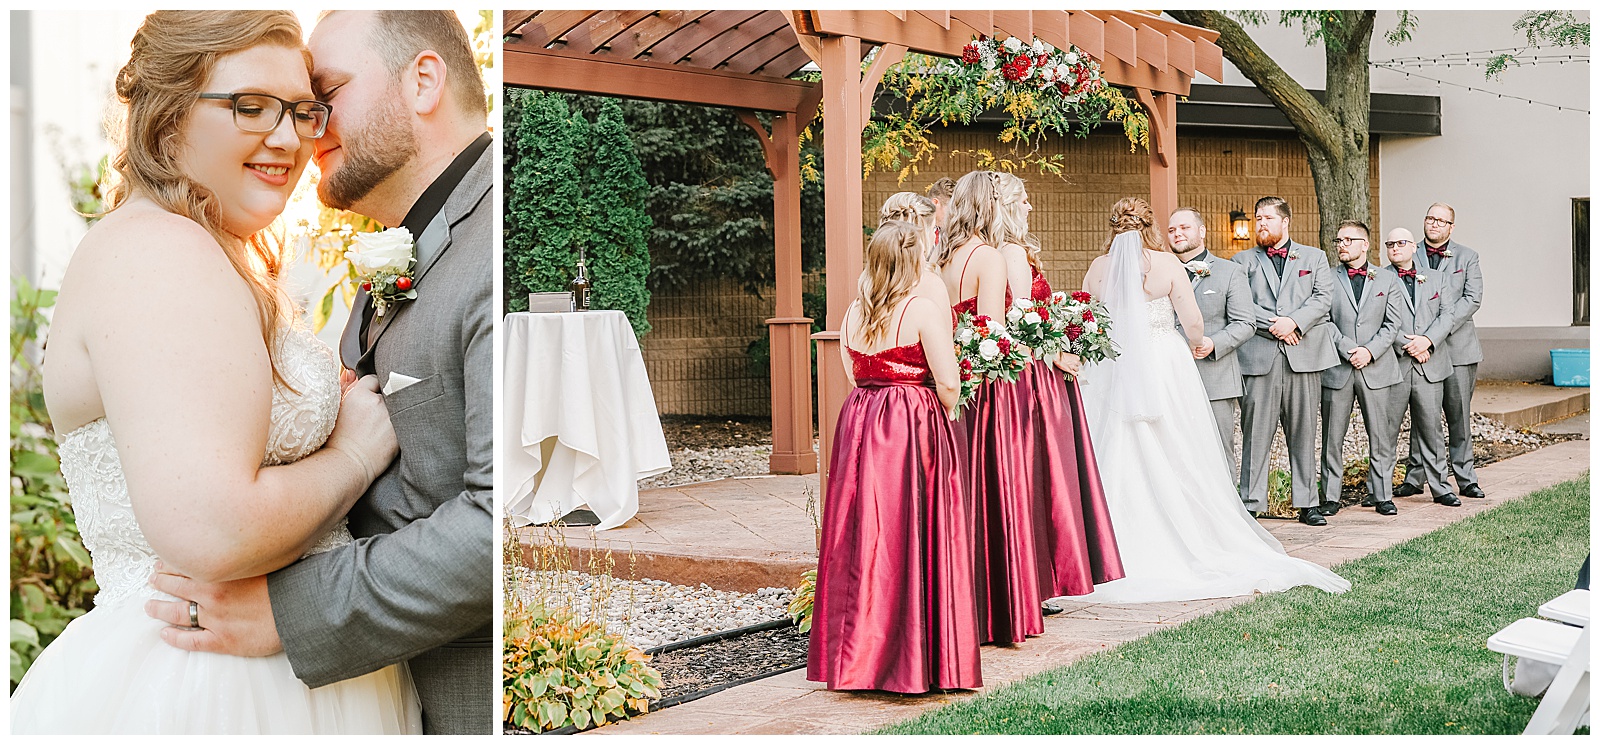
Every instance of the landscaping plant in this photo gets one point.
(804, 603)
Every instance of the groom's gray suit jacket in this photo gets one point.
(418, 582)
(1229, 313)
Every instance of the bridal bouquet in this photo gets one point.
(1085, 323)
(986, 351)
(1030, 323)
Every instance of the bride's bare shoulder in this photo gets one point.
(144, 244)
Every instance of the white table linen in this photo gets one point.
(578, 378)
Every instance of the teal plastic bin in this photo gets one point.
(1570, 367)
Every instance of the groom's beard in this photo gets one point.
(383, 144)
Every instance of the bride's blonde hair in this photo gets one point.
(894, 266)
(174, 53)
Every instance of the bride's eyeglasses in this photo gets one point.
(260, 112)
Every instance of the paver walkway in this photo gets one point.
(789, 704)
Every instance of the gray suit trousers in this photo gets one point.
(450, 681)
(1292, 399)
(1378, 410)
(1458, 390)
(1425, 400)
(1226, 410)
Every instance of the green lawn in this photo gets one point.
(1401, 653)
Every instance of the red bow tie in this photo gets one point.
(1437, 251)
(1407, 273)
(1359, 271)
(1279, 252)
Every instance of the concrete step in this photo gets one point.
(1524, 405)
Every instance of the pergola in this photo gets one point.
(743, 59)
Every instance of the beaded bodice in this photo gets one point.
(123, 560)
(1160, 316)
(905, 364)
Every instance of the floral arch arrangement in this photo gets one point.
(1042, 90)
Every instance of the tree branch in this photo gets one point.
(1315, 123)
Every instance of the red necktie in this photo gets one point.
(1407, 273)
(1359, 271)
(1281, 253)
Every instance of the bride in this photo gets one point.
(203, 427)
(1182, 531)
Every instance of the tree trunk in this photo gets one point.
(1335, 131)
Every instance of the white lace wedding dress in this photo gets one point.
(1181, 529)
(109, 672)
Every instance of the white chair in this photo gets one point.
(1566, 702)
(1533, 639)
(1565, 705)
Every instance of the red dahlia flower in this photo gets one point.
(1088, 315)
(1082, 297)
(1073, 332)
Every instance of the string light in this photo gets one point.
(1438, 82)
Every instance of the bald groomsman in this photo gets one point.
(1292, 288)
(1223, 294)
(1425, 321)
(1365, 320)
(1458, 267)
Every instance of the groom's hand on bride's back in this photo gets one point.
(363, 431)
(235, 617)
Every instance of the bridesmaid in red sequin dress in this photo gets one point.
(895, 604)
(1073, 541)
(996, 426)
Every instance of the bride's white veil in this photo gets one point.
(1128, 390)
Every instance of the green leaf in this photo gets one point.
(74, 549)
(580, 717)
(23, 633)
(323, 310)
(28, 463)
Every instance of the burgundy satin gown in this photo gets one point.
(1073, 543)
(998, 433)
(895, 604)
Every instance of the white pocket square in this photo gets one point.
(397, 382)
(1209, 292)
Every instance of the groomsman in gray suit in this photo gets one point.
(1223, 295)
(1458, 267)
(1426, 318)
(1292, 288)
(1366, 316)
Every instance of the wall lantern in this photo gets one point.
(1240, 224)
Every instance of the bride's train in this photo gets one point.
(1181, 528)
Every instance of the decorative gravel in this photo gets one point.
(690, 465)
(650, 613)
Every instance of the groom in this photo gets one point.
(1282, 364)
(407, 146)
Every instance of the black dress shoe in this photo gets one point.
(1448, 500)
(1407, 490)
(1386, 507)
(1369, 501)
(1051, 610)
(1473, 491)
(1312, 516)
(1329, 509)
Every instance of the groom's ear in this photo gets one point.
(430, 75)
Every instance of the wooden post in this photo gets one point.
(1163, 108)
(790, 330)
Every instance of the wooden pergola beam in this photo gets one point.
(612, 76)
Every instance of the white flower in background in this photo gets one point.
(390, 251)
(1091, 326)
(1024, 303)
(1072, 58)
(989, 349)
(1063, 71)
(997, 328)
(1040, 47)
(1012, 44)
(964, 336)
(1014, 315)
(1058, 296)
(1031, 317)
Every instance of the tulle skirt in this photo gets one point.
(110, 673)
(1073, 540)
(1181, 529)
(895, 608)
(997, 428)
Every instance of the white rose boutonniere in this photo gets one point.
(384, 261)
(1200, 268)
(1293, 254)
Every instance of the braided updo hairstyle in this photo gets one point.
(909, 207)
(1133, 213)
(174, 53)
(894, 266)
(971, 212)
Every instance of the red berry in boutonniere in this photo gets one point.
(403, 284)
(366, 286)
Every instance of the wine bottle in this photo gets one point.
(580, 287)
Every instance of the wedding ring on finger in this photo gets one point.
(194, 615)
